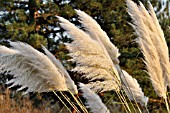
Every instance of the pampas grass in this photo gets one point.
(96, 58)
(95, 32)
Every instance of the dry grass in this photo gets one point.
(24, 105)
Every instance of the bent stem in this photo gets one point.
(167, 105)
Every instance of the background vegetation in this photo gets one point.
(35, 22)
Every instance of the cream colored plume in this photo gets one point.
(91, 57)
(93, 101)
(96, 33)
(70, 83)
(132, 89)
(30, 69)
(153, 45)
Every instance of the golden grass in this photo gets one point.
(24, 105)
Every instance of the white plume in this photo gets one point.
(31, 69)
(90, 55)
(153, 45)
(132, 89)
(70, 83)
(93, 101)
(96, 33)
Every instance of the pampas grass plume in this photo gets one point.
(93, 101)
(132, 89)
(152, 43)
(31, 69)
(91, 57)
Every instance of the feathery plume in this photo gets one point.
(93, 101)
(31, 69)
(132, 89)
(90, 56)
(96, 33)
(153, 45)
(70, 83)
(159, 39)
